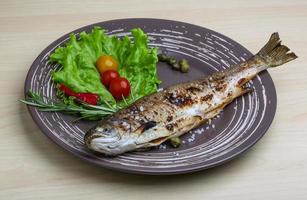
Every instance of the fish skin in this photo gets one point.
(174, 111)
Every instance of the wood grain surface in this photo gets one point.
(32, 167)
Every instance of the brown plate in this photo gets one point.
(239, 126)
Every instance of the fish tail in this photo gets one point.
(274, 53)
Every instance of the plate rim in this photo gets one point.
(145, 171)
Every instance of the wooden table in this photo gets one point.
(32, 167)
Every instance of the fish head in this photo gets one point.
(109, 139)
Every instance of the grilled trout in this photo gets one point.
(174, 111)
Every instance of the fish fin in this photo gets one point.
(141, 149)
(146, 126)
(213, 113)
(158, 141)
(247, 90)
(274, 53)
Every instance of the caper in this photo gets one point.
(162, 57)
(176, 66)
(175, 142)
(184, 65)
(171, 61)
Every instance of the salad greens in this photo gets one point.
(137, 63)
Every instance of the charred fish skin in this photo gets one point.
(177, 109)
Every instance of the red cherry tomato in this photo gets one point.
(67, 91)
(88, 98)
(119, 87)
(108, 76)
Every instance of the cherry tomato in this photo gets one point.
(67, 91)
(108, 76)
(105, 63)
(89, 98)
(119, 87)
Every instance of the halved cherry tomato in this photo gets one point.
(67, 90)
(105, 63)
(89, 98)
(108, 76)
(119, 87)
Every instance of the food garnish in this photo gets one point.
(105, 63)
(85, 61)
(175, 142)
(86, 97)
(182, 65)
(108, 76)
(69, 106)
(120, 88)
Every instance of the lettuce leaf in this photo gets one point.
(137, 63)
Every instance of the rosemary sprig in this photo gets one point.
(86, 111)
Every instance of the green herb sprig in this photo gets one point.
(84, 110)
(71, 105)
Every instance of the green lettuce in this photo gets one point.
(137, 63)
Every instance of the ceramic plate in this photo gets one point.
(236, 129)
